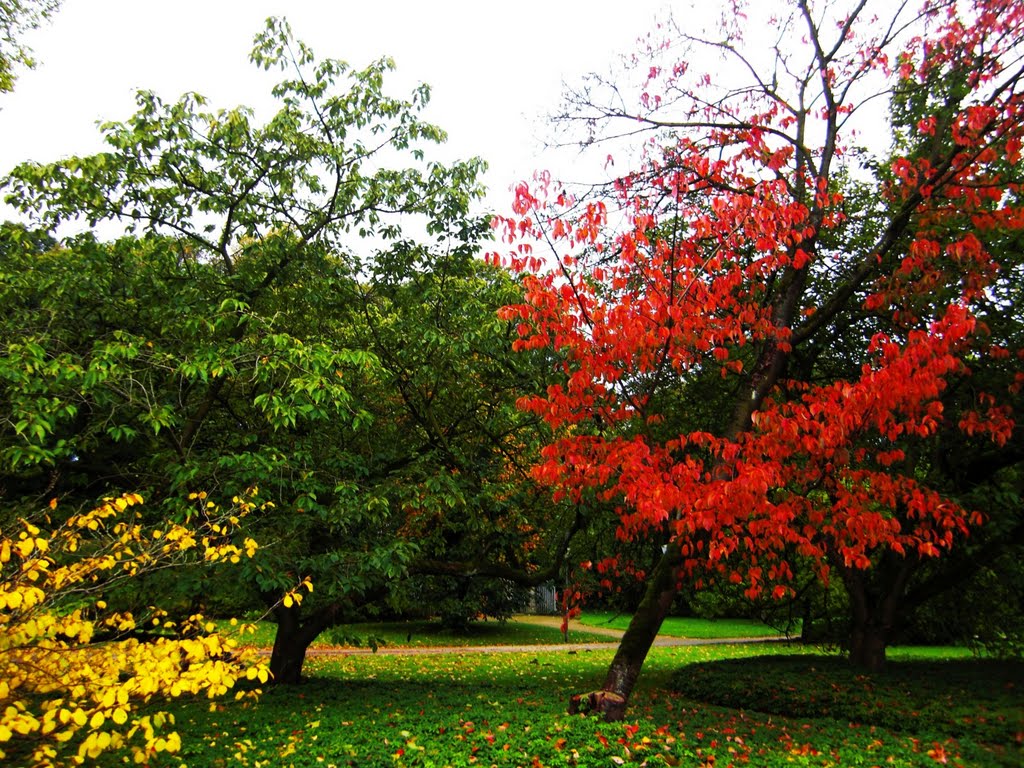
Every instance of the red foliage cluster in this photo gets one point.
(718, 258)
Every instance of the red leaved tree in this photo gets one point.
(760, 326)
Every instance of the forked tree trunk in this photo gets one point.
(610, 701)
(291, 641)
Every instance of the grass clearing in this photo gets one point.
(675, 626)
(508, 709)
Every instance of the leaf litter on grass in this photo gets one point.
(509, 710)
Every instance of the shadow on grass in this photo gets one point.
(974, 699)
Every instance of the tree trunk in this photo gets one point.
(613, 696)
(611, 700)
(868, 642)
(291, 640)
(876, 599)
(806, 635)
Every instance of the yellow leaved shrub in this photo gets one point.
(73, 672)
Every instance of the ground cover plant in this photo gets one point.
(507, 709)
(677, 626)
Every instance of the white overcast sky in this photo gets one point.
(495, 67)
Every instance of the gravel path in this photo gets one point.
(555, 621)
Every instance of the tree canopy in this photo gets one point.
(76, 674)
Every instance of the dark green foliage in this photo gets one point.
(458, 602)
(985, 613)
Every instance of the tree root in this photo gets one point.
(610, 705)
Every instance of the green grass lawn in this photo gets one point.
(509, 710)
(680, 627)
(419, 634)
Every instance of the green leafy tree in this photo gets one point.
(227, 214)
(166, 360)
(267, 323)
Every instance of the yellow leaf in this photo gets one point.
(173, 741)
(288, 601)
